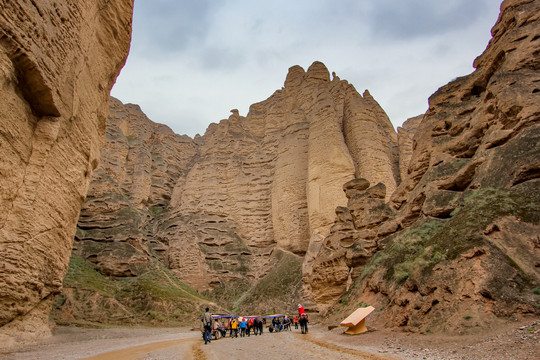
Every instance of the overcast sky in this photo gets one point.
(192, 61)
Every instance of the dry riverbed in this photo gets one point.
(517, 342)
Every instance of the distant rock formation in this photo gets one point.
(405, 135)
(273, 178)
(140, 164)
(221, 208)
(58, 62)
(457, 245)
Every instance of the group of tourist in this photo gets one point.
(244, 326)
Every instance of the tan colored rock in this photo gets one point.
(273, 179)
(458, 243)
(372, 140)
(251, 185)
(58, 62)
(141, 162)
(405, 134)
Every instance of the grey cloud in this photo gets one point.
(400, 20)
(220, 59)
(169, 26)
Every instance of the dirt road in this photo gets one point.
(520, 341)
(160, 344)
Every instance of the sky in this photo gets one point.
(192, 61)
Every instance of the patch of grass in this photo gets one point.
(467, 317)
(161, 284)
(362, 304)
(280, 286)
(82, 274)
(156, 296)
(536, 291)
(409, 252)
(81, 233)
(415, 251)
(155, 211)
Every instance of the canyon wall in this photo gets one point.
(456, 247)
(223, 210)
(312, 194)
(58, 62)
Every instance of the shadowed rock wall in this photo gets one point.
(58, 62)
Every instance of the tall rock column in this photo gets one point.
(58, 62)
(329, 161)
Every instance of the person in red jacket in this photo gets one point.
(303, 319)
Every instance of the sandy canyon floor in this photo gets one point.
(520, 341)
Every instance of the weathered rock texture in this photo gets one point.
(435, 225)
(220, 210)
(273, 178)
(117, 271)
(457, 245)
(140, 164)
(58, 62)
(405, 134)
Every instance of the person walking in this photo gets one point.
(234, 327)
(243, 327)
(207, 326)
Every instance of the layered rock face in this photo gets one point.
(273, 178)
(58, 62)
(457, 240)
(117, 267)
(248, 190)
(140, 164)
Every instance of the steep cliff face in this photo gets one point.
(58, 62)
(239, 204)
(140, 164)
(273, 178)
(117, 270)
(405, 135)
(457, 245)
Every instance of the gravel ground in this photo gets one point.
(518, 342)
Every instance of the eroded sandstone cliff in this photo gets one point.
(457, 246)
(270, 180)
(223, 210)
(117, 270)
(58, 62)
(313, 194)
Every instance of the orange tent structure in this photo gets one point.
(357, 321)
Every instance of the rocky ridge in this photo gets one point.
(239, 201)
(455, 248)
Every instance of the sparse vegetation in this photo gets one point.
(467, 317)
(155, 296)
(415, 251)
(82, 274)
(279, 289)
(155, 211)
